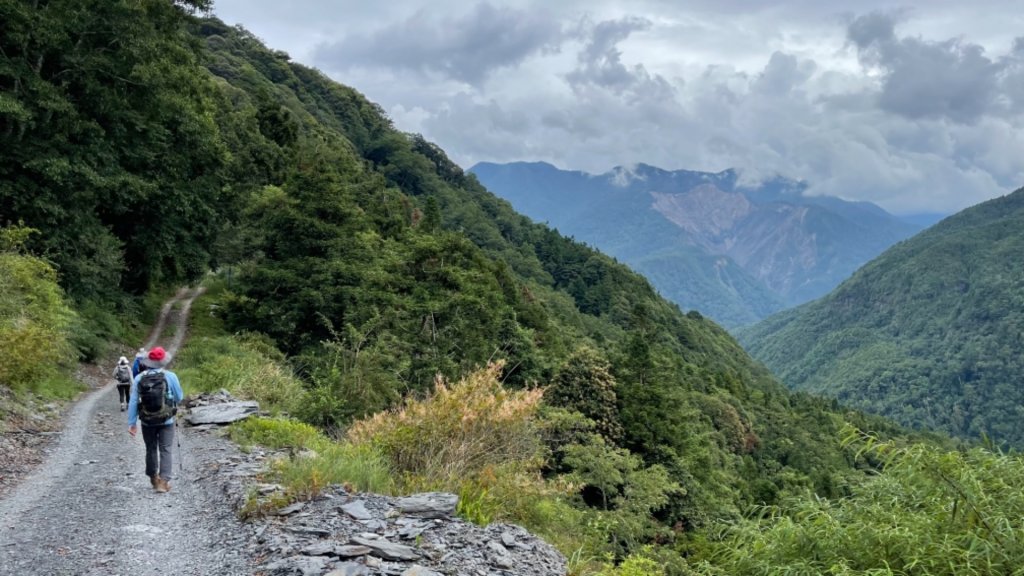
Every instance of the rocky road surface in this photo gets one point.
(88, 509)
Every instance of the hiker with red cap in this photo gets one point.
(154, 400)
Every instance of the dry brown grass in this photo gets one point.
(460, 431)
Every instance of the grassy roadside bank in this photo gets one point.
(471, 437)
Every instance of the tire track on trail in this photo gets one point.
(179, 316)
(89, 509)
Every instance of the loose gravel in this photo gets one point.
(89, 509)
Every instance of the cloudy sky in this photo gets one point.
(917, 106)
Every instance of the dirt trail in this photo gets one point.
(89, 509)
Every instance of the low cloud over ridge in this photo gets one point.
(918, 110)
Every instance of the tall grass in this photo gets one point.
(312, 461)
(208, 364)
(476, 439)
(468, 429)
(929, 513)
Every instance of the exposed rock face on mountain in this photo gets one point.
(734, 253)
(706, 212)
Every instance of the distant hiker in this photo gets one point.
(155, 396)
(123, 375)
(137, 364)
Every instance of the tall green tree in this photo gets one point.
(584, 383)
(109, 146)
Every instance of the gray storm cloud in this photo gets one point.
(467, 48)
(951, 79)
(922, 130)
(899, 108)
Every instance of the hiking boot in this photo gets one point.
(162, 485)
(154, 480)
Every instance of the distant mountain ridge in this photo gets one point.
(930, 333)
(706, 242)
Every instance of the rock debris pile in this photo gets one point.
(360, 534)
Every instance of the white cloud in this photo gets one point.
(918, 110)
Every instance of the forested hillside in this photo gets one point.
(375, 263)
(149, 147)
(929, 333)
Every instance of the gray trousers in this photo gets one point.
(159, 440)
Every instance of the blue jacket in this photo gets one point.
(172, 385)
(137, 366)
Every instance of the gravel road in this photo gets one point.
(89, 508)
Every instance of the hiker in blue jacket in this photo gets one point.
(137, 363)
(155, 396)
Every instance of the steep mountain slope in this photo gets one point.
(375, 263)
(706, 243)
(929, 333)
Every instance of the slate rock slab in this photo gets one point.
(298, 566)
(225, 413)
(387, 550)
(357, 509)
(350, 569)
(428, 505)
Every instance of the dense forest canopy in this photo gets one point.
(107, 126)
(929, 333)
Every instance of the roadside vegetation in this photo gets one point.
(36, 323)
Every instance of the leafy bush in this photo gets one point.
(277, 433)
(94, 328)
(635, 565)
(239, 366)
(931, 513)
(351, 377)
(34, 320)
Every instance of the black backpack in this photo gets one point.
(155, 402)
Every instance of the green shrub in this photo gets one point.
(313, 462)
(209, 364)
(277, 433)
(35, 350)
(635, 565)
(95, 327)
